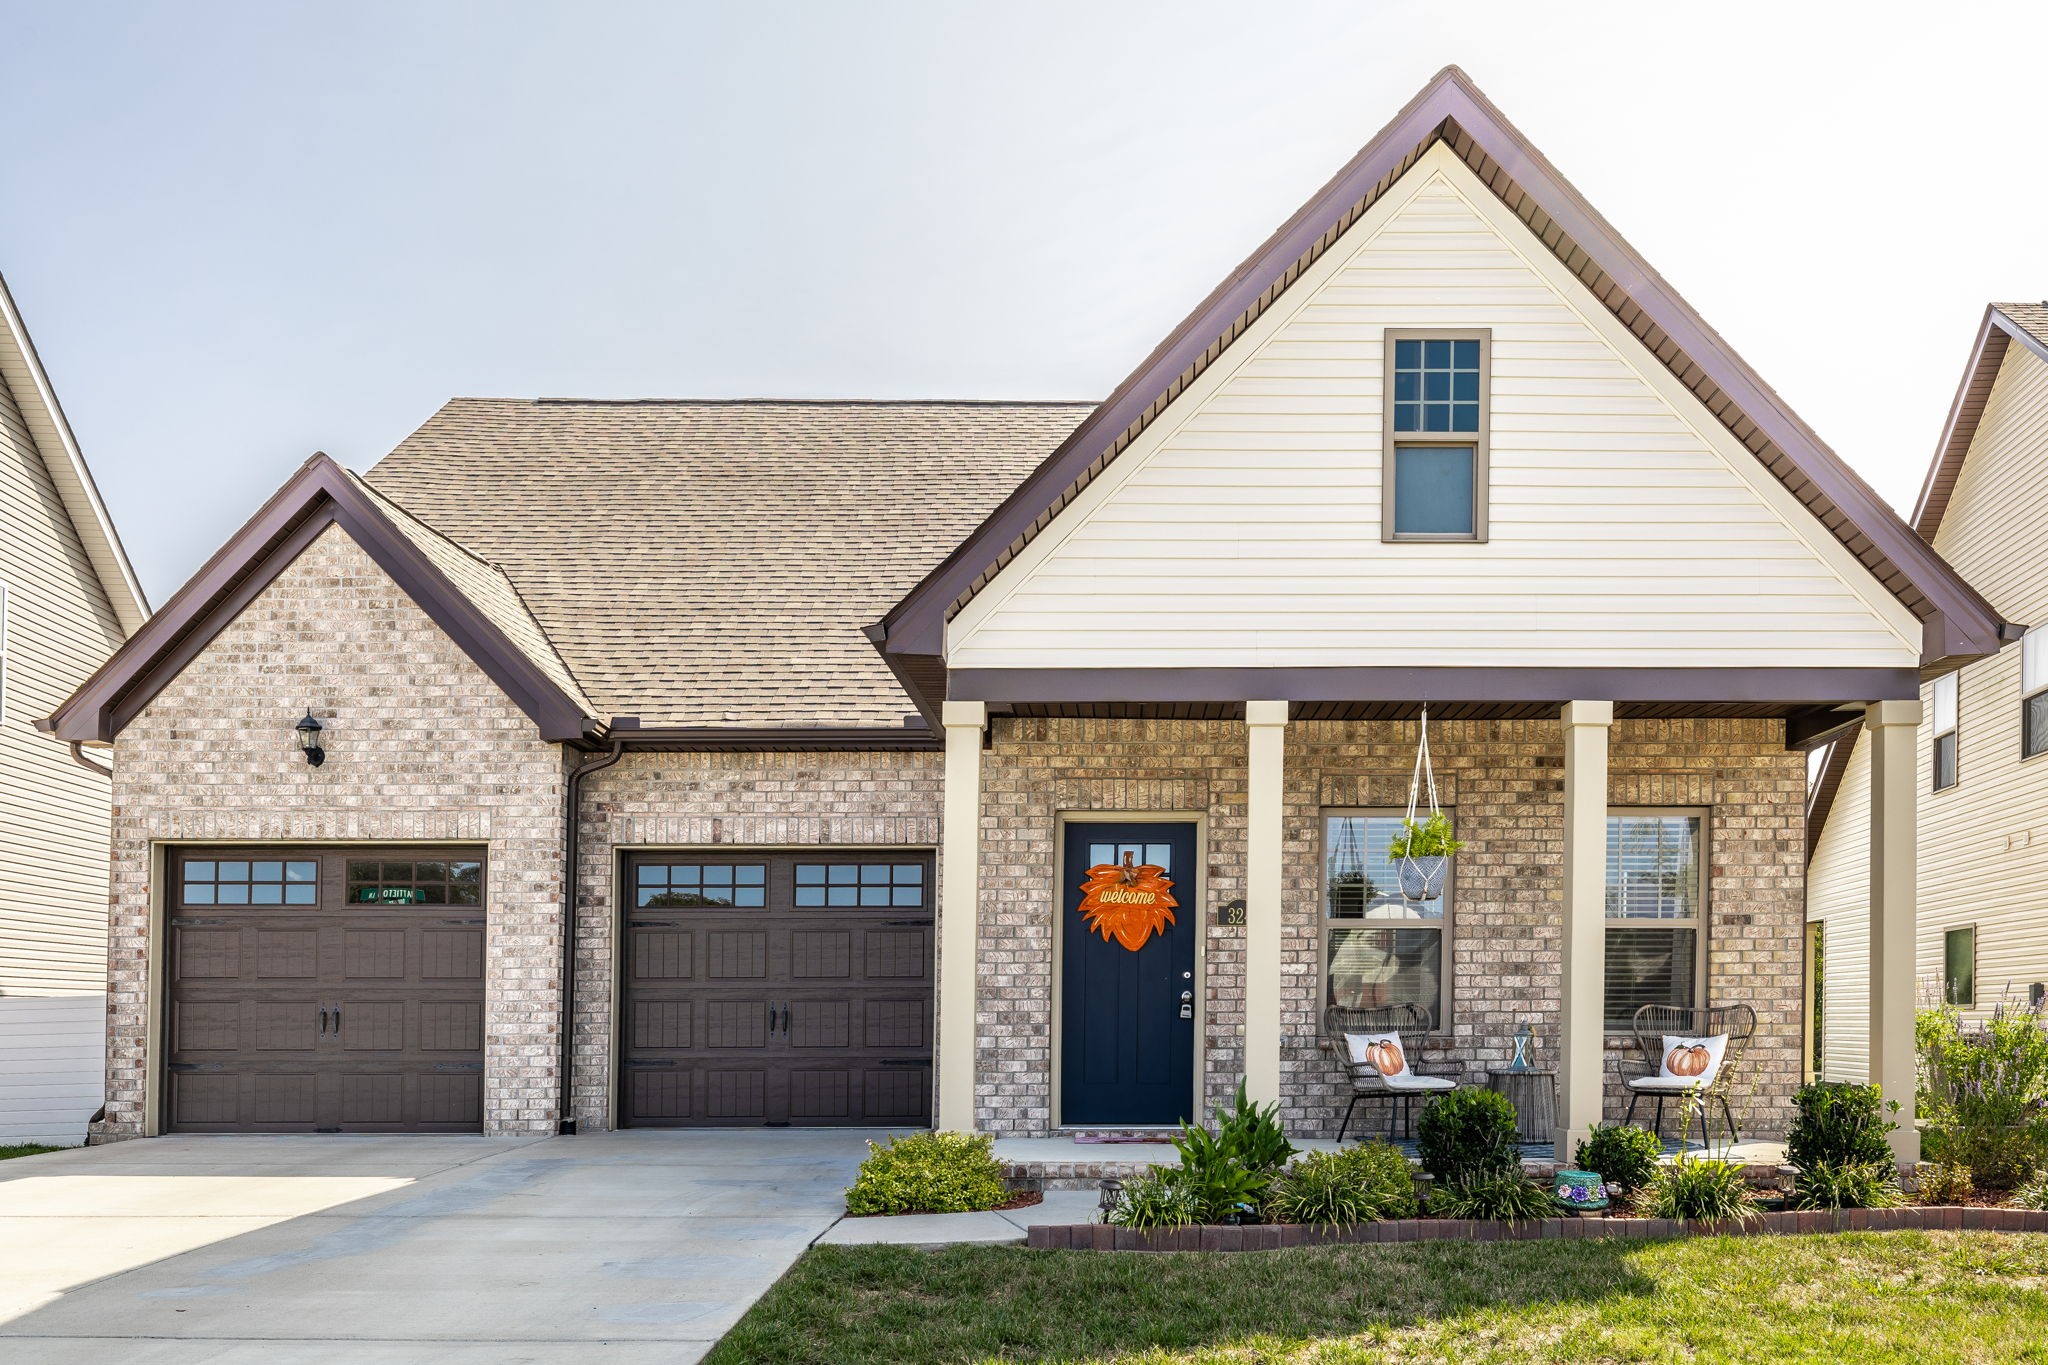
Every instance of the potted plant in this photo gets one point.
(1422, 854)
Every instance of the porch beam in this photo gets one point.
(1265, 832)
(959, 915)
(1582, 1052)
(1893, 728)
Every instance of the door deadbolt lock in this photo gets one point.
(1187, 1004)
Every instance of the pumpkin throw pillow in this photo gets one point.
(1692, 1061)
(1382, 1052)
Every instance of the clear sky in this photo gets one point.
(244, 232)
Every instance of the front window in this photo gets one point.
(1378, 949)
(1656, 908)
(1433, 474)
(2034, 692)
(1959, 966)
(1945, 732)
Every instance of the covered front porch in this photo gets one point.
(1618, 851)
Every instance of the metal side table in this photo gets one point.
(1534, 1095)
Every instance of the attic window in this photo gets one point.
(1433, 473)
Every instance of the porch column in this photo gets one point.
(1894, 730)
(959, 914)
(1265, 828)
(1581, 1053)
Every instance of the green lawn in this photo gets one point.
(1961, 1296)
(26, 1149)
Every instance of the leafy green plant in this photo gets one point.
(1698, 1187)
(1848, 1185)
(1622, 1153)
(1467, 1134)
(1361, 1184)
(1839, 1124)
(1507, 1195)
(929, 1173)
(2033, 1196)
(1221, 1184)
(1160, 1198)
(1946, 1183)
(1984, 1093)
(1251, 1135)
(1428, 838)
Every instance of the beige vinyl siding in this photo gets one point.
(53, 813)
(1243, 529)
(52, 1066)
(1984, 842)
(1838, 893)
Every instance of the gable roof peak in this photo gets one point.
(1452, 110)
(2003, 325)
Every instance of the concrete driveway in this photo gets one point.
(616, 1246)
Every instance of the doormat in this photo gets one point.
(1107, 1139)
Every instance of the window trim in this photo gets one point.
(1947, 932)
(1446, 994)
(1480, 441)
(2025, 695)
(1954, 734)
(1699, 923)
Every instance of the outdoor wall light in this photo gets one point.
(309, 739)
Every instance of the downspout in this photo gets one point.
(567, 1124)
(78, 757)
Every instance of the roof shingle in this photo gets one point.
(706, 563)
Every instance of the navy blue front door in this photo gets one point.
(1127, 1054)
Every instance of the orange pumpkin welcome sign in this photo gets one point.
(1126, 903)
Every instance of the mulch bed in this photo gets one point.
(1274, 1236)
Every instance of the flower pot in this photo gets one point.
(1422, 879)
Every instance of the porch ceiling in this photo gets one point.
(1401, 710)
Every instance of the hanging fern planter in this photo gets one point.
(1422, 851)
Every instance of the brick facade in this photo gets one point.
(421, 745)
(1505, 779)
(424, 747)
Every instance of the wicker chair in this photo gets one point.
(1412, 1023)
(1643, 1072)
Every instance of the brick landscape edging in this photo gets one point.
(1274, 1236)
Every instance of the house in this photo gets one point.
(1983, 847)
(817, 714)
(67, 598)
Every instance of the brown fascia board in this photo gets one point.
(1706, 686)
(777, 738)
(1994, 336)
(916, 625)
(319, 495)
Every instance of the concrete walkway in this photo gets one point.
(377, 1250)
(945, 1229)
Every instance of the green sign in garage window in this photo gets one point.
(1960, 966)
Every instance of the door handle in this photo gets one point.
(1187, 1004)
(771, 1019)
(785, 1021)
(337, 1021)
(323, 1020)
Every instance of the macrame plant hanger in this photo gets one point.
(1421, 879)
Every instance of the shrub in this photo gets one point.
(929, 1173)
(1507, 1195)
(1251, 1135)
(1160, 1198)
(1839, 1124)
(2034, 1196)
(1360, 1184)
(1946, 1183)
(1984, 1093)
(1622, 1153)
(1698, 1187)
(1466, 1134)
(1848, 1185)
(1229, 1172)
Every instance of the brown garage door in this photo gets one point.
(778, 989)
(325, 990)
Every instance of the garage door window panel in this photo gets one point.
(701, 886)
(866, 886)
(244, 881)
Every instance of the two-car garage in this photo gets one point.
(341, 989)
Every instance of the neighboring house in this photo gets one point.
(842, 700)
(67, 599)
(1983, 747)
